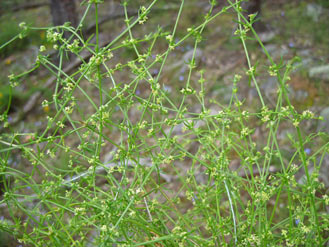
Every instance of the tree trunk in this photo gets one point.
(63, 11)
(253, 7)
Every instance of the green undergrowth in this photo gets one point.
(297, 21)
(131, 154)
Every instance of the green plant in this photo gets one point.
(7, 31)
(123, 162)
(15, 38)
(324, 3)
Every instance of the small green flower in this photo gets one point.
(42, 48)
